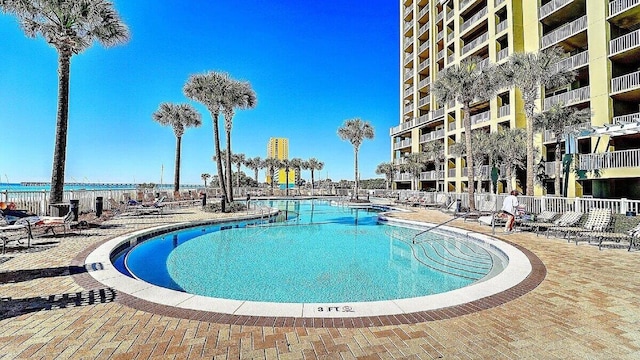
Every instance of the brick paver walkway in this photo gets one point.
(588, 306)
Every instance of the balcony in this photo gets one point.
(481, 172)
(408, 75)
(498, 2)
(423, 65)
(451, 36)
(408, 41)
(473, 20)
(434, 135)
(402, 144)
(440, 35)
(452, 173)
(549, 136)
(502, 26)
(550, 168)
(551, 7)
(424, 82)
(402, 127)
(424, 46)
(403, 177)
(504, 110)
(437, 113)
(408, 92)
(440, 55)
(423, 12)
(408, 108)
(423, 119)
(464, 3)
(564, 32)
(503, 54)
(625, 83)
(408, 58)
(452, 126)
(431, 175)
(400, 161)
(573, 62)
(408, 26)
(624, 43)
(408, 11)
(480, 118)
(624, 119)
(477, 41)
(423, 28)
(424, 101)
(568, 98)
(610, 160)
(617, 7)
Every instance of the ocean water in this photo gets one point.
(29, 186)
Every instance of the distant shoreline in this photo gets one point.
(46, 186)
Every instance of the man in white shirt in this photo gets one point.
(510, 207)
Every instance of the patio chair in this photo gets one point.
(48, 223)
(545, 217)
(631, 236)
(597, 220)
(570, 218)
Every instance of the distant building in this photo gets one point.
(601, 39)
(278, 148)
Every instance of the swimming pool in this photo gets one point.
(391, 250)
(321, 253)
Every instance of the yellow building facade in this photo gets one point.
(602, 42)
(278, 148)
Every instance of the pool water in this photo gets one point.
(322, 253)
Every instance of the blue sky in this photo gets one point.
(312, 65)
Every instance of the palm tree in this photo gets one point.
(209, 89)
(559, 119)
(205, 177)
(465, 83)
(356, 131)
(314, 164)
(254, 164)
(434, 152)
(510, 148)
(296, 164)
(179, 117)
(238, 95)
(528, 72)
(238, 160)
(414, 164)
(286, 164)
(478, 154)
(388, 170)
(70, 27)
(272, 164)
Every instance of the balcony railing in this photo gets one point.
(440, 54)
(452, 126)
(551, 7)
(408, 10)
(477, 41)
(464, 3)
(451, 58)
(408, 25)
(452, 173)
(434, 135)
(423, 83)
(498, 2)
(423, 46)
(481, 172)
(503, 54)
(399, 161)
(408, 41)
(629, 118)
(619, 6)
(403, 177)
(624, 43)
(408, 75)
(431, 175)
(572, 62)
(439, 16)
(423, 64)
(504, 111)
(625, 82)
(423, 119)
(423, 12)
(569, 97)
(408, 108)
(550, 168)
(440, 35)
(408, 58)
(408, 91)
(549, 136)
(610, 160)
(451, 36)
(564, 32)
(472, 20)
(502, 26)
(423, 28)
(438, 113)
(479, 118)
(424, 101)
(402, 144)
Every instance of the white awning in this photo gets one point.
(617, 129)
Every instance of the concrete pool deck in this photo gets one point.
(587, 305)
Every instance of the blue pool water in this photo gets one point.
(323, 253)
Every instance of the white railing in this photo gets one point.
(408, 25)
(452, 126)
(452, 173)
(610, 160)
(423, 101)
(625, 82)
(408, 91)
(423, 12)
(408, 41)
(408, 10)
(619, 6)
(441, 54)
(572, 62)
(402, 144)
(564, 32)
(568, 98)
(404, 126)
(624, 43)
(423, 65)
(504, 110)
(408, 58)
(438, 113)
(479, 118)
(434, 135)
(451, 36)
(431, 175)
(550, 168)
(423, 119)
(464, 3)
(498, 2)
(549, 136)
(551, 7)
(408, 108)
(403, 177)
(503, 25)
(503, 54)
(474, 19)
(440, 36)
(423, 83)
(424, 46)
(450, 59)
(439, 16)
(399, 161)
(424, 28)
(477, 41)
(629, 118)
(481, 172)
(408, 75)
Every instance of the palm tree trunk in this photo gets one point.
(558, 158)
(312, 182)
(256, 174)
(229, 172)
(528, 109)
(176, 174)
(471, 172)
(216, 140)
(355, 153)
(286, 181)
(60, 148)
(238, 182)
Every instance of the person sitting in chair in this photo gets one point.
(11, 215)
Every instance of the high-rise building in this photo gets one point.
(602, 41)
(278, 148)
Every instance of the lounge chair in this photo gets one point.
(545, 217)
(570, 218)
(597, 220)
(48, 223)
(632, 236)
(10, 233)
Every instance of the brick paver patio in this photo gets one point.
(587, 306)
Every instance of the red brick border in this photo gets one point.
(537, 275)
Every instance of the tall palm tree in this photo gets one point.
(254, 164)
(558, 119)
(238, 160)
(477, 155)
(286, 164)
(465, 83)
(313, 165)
(70, 27)
(179, 117)
(414, 165)
(388, 170)
(272, 165)
(205, 177)
(356, 131)
(434, 152)
(297, 165)
(209, 89)
(238, 95)
(528, 72)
